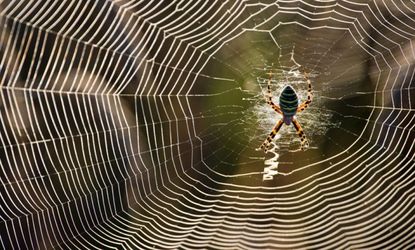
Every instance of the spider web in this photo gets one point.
(134, 124)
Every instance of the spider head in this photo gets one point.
(287, 119)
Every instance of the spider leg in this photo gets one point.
(305, 104)
(300, 132)
(269, 96)
(271, 136)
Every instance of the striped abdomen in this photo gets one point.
(288, 101)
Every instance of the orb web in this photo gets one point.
(134, 124)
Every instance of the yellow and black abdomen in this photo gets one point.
(288, 101)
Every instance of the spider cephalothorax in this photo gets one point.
(288, 107)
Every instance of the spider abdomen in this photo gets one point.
(288, 101)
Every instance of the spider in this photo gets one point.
(288, 107)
